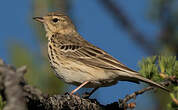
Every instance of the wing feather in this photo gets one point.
(93, 56)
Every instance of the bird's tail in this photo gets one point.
(152, 83)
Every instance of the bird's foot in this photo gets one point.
(86, 95)
(67, 93)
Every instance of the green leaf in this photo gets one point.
(149, 69)
(167, 64)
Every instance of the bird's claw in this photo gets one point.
(86, 95)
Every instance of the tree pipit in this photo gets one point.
(78, 62)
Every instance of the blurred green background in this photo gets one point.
(128, 30)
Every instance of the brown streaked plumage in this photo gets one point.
(78, 62)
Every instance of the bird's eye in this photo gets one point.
(55, 20)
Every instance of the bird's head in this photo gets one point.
(56, 23)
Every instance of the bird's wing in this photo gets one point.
(93, 56)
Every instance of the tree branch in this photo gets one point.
(123, 102)
(13, 92)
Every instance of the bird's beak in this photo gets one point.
(39, 19)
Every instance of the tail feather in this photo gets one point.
(152, 83)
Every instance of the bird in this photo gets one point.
(78, 62)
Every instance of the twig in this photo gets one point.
(122, 19)
(133, 95)
(123, 102)
(173, 79)
(174, 99)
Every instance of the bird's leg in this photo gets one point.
(76, 89)
(87, 95)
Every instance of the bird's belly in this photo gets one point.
(70, 76)
(76, 73)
